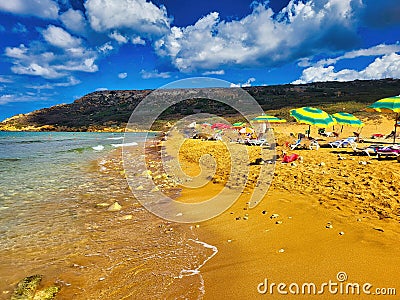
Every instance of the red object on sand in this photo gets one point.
(290, 158)
(377, 135)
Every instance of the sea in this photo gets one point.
(55, 192)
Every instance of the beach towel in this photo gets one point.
(290, 158)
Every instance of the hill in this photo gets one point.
(110, 110)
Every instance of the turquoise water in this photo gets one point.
(50, 224)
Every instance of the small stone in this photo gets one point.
(101, 278)
(229, 241)
(179, 214)
(293, 164)
(329, 226)
(264, 212)
(281, 250)
(364, 163)
(197, 225)
(274, 216)
(341, 233)
(278, 222)
(359, 220)
(321, 164)
(114, 207)
(238, 218)
(245, 218)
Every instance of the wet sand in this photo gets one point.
(321, 216)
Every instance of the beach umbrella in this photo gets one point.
(220, 126)
(238, 124)
(246, 130)
(343, 118)
(312, 116)
(267, 118)
(388, 105)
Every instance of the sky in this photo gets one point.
(56, 51)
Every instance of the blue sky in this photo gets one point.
(55, 51)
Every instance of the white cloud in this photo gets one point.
(381, 49)
(246, 84)
(45, 9)
(35, 61)
(122, 75)
(70, 82)
(74, 21)
(387, 66)
(137, 40)
(58, 37)
(4, 99)
(118, 37)
(261, 38)
(101, 89)
(217, 72)
(36, 70)
(105, 48)
(137, 16)
(154, 74)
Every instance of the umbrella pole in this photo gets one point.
(341, 129)
(309, 129)
(395, 128)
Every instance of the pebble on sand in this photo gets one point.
(114, 207)
(274, 216)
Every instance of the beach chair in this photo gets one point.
(325, 133)
(392, 150)
(343, 143)
(257, 142)
(371, 149)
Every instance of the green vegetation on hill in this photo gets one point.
(112, 109)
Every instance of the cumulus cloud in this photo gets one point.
(46, 9)
(246, 84)
(154, 74)
(134, 16)
(216, 72)
(387, 66)
(34, 61)
(118, 37)
(261, 38)
(100, 89)
(58, 37)
(122, 75)
(105, 48)
(74, 21)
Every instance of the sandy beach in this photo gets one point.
(333, 212)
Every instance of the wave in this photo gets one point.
(124, 145)
(10, 159)
(115, 138)
(98, 148)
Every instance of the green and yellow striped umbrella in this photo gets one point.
(238, 124)
(343, 118)
(387, 105)
(312, 116)
(267, 118)
(390, 104)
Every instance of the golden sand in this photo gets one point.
(333, 212)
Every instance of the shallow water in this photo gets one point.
(50, 224)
